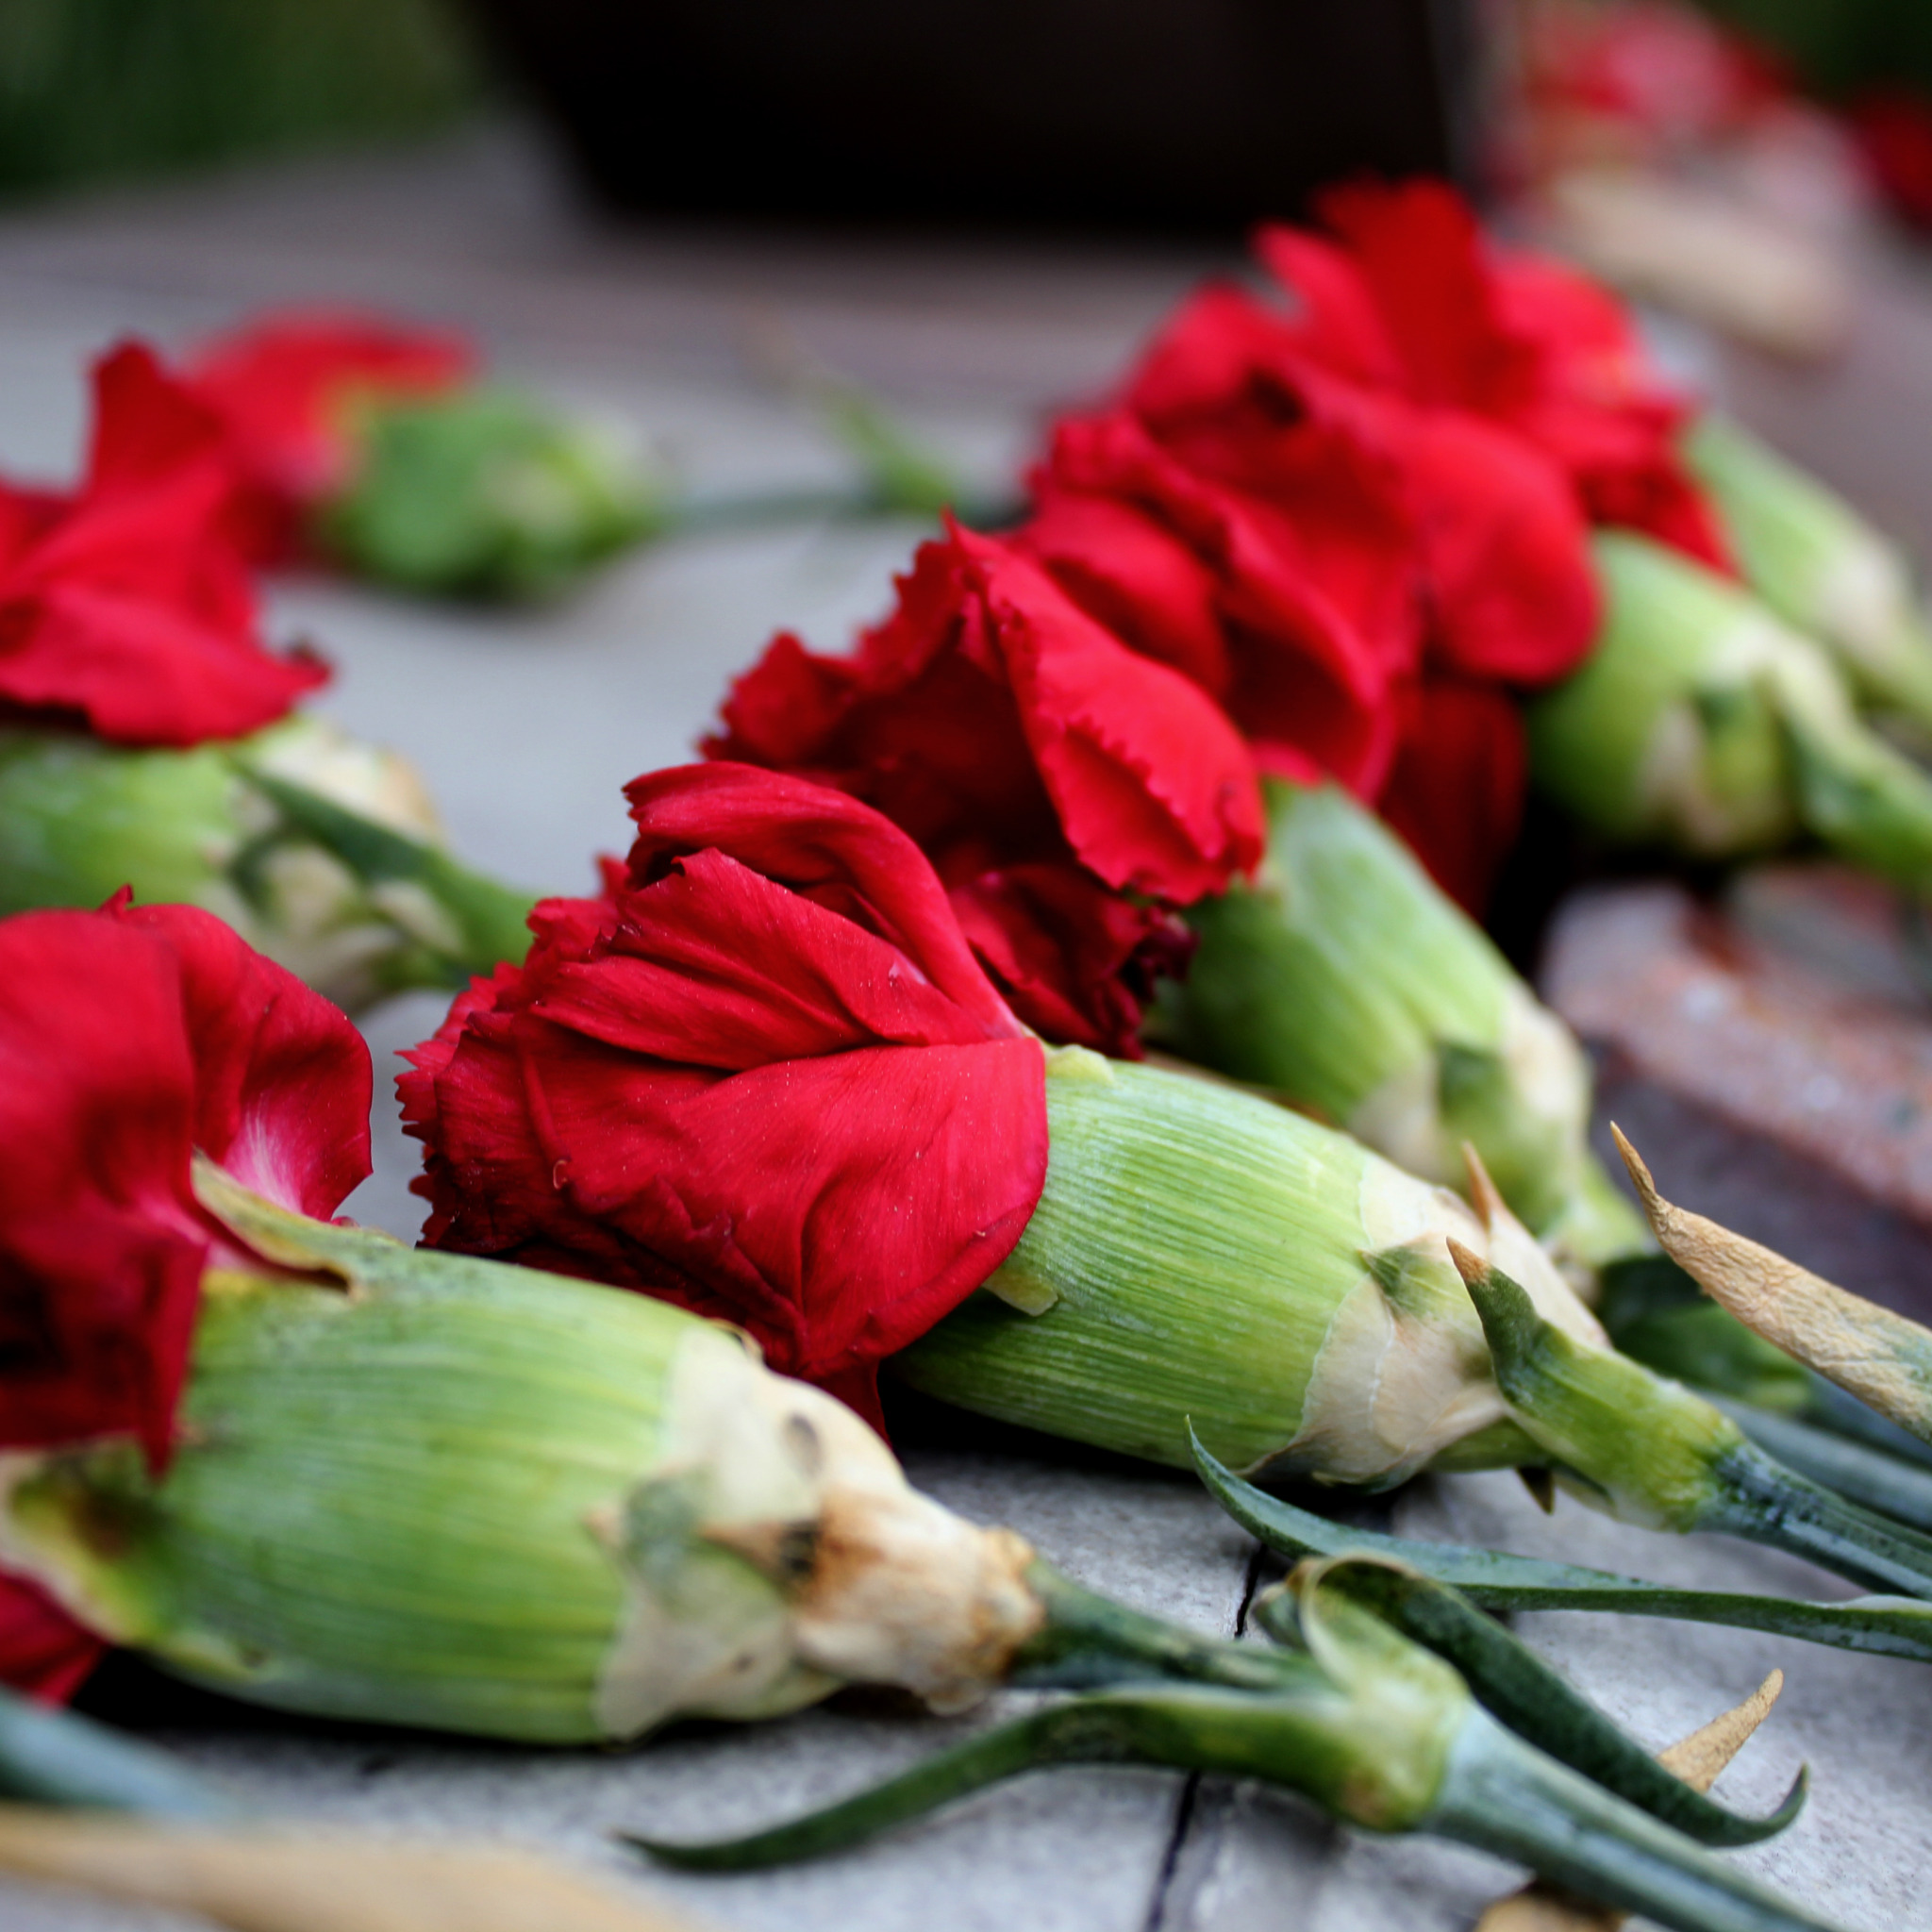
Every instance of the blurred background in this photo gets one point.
(1174, 113)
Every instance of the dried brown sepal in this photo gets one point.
(1483, 1195)
(1882, 1358)
(279, 1880)
(1697, 1759)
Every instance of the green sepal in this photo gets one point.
(57, 1757)
(461, 923)
(1644, 1448)
(1522, 1691)
(1651, 1452)
(1493, 1580)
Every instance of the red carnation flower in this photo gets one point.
(1893, 126)
(766, 1079)
(1412, 296)
(1271, 510)
(125, 608)
(130, 1039)
(284, 391)
(1456, 791)
(1296, 606)
(1069, 792)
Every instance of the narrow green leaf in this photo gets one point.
(55, 1757)
(1881, 1626)
(482, 922)
(1533, 1699)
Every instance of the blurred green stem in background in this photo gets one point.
(96, 90)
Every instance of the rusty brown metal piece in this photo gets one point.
(1775, 1053)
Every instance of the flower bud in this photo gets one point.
(1701, 720)
(80, 819)
(1344, 980)
(1200, 1252)
(1669, 730)
(485, 492)
(435, 1491)
(1818, 564)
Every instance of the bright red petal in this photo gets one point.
(282, 1079)
(1154, 788)
(740, 1085)
(101, 1244)
(1419, 249)
(282, 386)
(43, 1653)
(838, 1207)
(1076, 962)
(139, 673)
(1506, 552)
(1122, 565)
(147, 425)
(1313, 585)
(1456, 793)
(1340, 322)
(825, 846)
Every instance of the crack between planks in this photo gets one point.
(1161, 1907)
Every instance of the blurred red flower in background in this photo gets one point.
(125, 607)
(285, 389)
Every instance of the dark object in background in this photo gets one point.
(1839, 48)
(1180, 114)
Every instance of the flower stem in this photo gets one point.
(1088, 1641)
(1522, 1691)
(1760, 1499)
(55, 1758)
(1504, 1797)
(1494, 1580)
(1862, 1475)
(1086, 1731)
(1491, 1791)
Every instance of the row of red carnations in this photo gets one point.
(783, 1070)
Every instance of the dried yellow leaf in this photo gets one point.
(1882, 1358)
(276, 1879)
